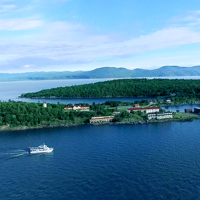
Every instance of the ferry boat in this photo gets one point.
(41, 149)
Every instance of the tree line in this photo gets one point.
(34, 114)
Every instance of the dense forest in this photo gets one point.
(34, 114)
(125, 88)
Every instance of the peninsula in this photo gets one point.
(20, 115)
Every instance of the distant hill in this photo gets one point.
(104, 72)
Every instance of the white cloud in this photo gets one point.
(26, 8)
(20, 24)
(97, 46)
(192, 20)
(71, 43)
(67, 42)
(26, 66)
(6, 8)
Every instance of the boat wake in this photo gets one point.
(12, 153)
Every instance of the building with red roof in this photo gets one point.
(78, 107)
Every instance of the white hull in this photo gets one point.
(38, 151)
(41, 149)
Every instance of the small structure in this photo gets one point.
(85, 108)
(158, 115)
(101, 119)
(44, 104)
(168, 101)
(116, 113)
(68, 108)
(188, 110)
(76, 107)
(150, 102)
(197, 110)
(137, 105)
(144, 109)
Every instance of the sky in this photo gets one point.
(72, 35)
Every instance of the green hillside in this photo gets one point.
(104, 72)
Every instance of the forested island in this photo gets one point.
(20, 115)
(177, 90)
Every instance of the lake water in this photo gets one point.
(150, 161)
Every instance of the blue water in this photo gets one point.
(151, 161)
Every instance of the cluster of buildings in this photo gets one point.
(152, 112)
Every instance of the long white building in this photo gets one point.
(101, 119)
(165, 115)
(144, 109)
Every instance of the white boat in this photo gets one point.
(41, 149)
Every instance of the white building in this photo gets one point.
(101, 119)
(144, 109)
(68, 108)
(168, 101)
(165, 115)
(85, 108)
(44, 104)
(78, 107)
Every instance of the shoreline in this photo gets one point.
(6, 128)
(82, 98)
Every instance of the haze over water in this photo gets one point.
(150, 161)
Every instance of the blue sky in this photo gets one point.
(70, 35)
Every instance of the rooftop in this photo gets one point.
(144, 108)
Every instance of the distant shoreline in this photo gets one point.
(104, 73)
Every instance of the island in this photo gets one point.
(175, 90)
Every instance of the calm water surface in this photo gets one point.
(152, 161)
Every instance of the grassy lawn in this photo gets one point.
(123, 107)
(185, 116)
